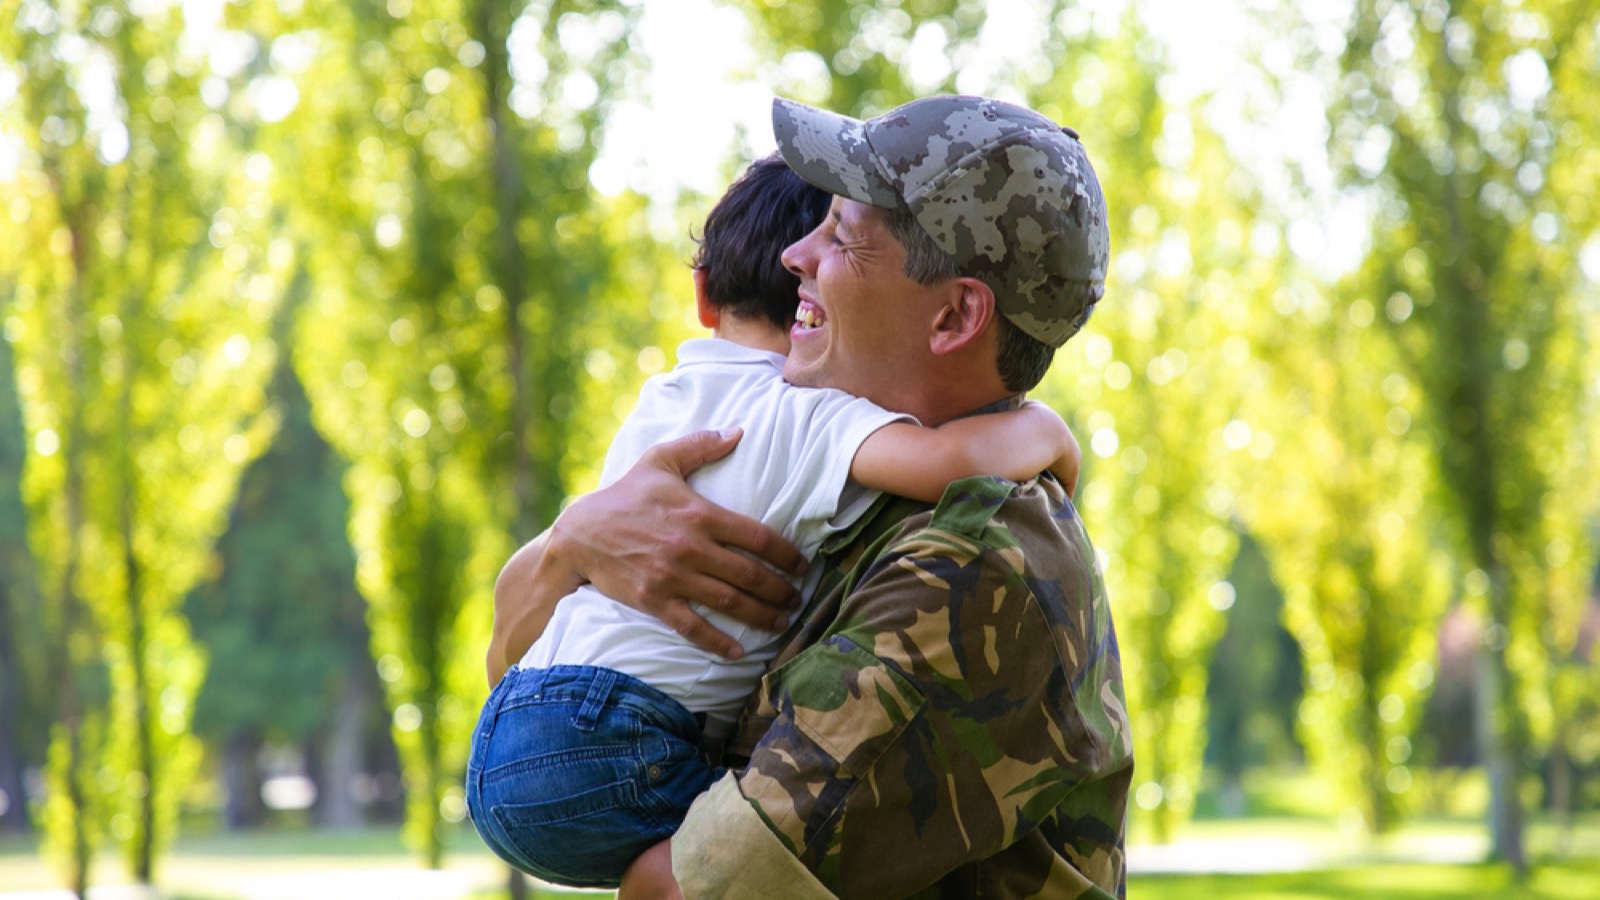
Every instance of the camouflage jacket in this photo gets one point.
(946, 720)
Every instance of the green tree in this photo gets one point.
(23, 683)
(141, 353)
(1154, 381)
(283, 611)
(462, 277)
(1340, 511)
(1465, 124)
(1254, 684)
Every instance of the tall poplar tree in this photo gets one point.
(1465, 122)
(1154, 381)
(1340, 508)
(462, 275)
(141, 352)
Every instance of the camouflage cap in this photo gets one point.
(1009, 194)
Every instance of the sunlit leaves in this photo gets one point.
(461, 271)
(141, 352)
(1153, 384)
(1455, 111)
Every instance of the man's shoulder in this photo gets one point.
(998, 578)
(1032, 525)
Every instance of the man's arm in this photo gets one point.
(525, 597)
(649, 541)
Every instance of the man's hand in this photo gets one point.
(651, 542)
(650, 876)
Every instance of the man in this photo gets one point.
(947, 719)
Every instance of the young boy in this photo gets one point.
(589, 751)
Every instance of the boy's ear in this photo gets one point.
(710, 316)
(964, 318)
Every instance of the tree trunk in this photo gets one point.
(71, 692)
(144, 761)
(1499, 758)
(510, 272)
(241, 782)
(13, 796)
(1561, 790)
(343, 748)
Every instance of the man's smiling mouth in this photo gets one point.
(808, 316)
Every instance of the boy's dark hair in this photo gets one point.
(765, 210)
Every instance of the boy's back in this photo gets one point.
(790, 471)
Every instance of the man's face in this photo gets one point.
(862, 322)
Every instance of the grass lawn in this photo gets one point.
(1555, 881)
(290, 864)
(301, 865)
(1291, 845)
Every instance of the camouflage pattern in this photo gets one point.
(947, 719)
(1009, 194)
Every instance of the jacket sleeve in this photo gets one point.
(724, 849)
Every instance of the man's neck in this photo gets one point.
(951, 393)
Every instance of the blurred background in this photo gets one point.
(313, 312)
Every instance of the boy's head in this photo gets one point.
(765, 210)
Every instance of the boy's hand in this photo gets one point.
(651, 542)
(1069, 456)
(1068, 465)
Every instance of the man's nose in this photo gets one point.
(794, 257)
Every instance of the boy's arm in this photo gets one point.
(920, 463)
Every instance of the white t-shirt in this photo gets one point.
(791, 470)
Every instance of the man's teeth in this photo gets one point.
(808, 317)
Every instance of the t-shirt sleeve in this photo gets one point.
(827, 428)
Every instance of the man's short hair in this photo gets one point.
(765, 210)
(1021, 360)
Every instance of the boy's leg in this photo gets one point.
(576, 770)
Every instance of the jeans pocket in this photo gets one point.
(588, 823)
(482, 732)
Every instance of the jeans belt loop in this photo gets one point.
(595, 702)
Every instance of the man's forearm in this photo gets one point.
(530, 585)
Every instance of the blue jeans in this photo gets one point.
(577, 770)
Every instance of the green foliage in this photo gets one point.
(141, 354)
(850, 57)
(1153, 383)
(74, 814)
(283, 612)
(464, 284)
(1364, 583)
(1471, 108)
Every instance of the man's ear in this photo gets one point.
(964, 317)
(710, 315)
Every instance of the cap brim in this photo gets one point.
(832, 152)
